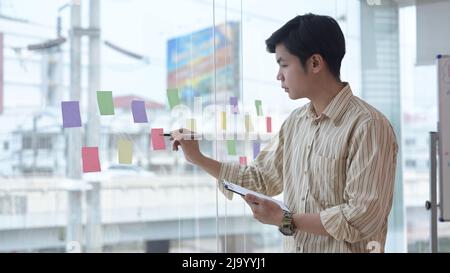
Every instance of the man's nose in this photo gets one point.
(280, 76)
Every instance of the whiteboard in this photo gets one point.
(443, 72)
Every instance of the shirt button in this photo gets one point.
(305, 172)
(303, 198)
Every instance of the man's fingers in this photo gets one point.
(250, 198)
(175, 145)
(182, 134)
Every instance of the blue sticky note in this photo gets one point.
(71, 114)
(138, 110)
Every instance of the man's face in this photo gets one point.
(294, 80)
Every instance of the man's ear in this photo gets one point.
(316, 63)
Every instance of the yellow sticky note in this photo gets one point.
(223, 118)
(248, 124)
(125, 148)
(231, 145)
(191, 124)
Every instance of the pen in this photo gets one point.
(185, 135)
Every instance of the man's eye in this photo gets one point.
(283, 65)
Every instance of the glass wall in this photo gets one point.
(171, 64)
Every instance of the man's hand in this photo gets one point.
(189, 146)
(265, 211)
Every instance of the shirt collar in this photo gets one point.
(335, 109)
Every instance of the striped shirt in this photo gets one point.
(340, 165)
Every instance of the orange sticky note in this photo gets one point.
(269, 124)
(243, 160)
(91, 163)
(158, 142)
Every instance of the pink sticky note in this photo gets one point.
(158, 142)
(269, 124)
(243, 160)
(91, 163)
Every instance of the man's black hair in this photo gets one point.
(310, 34)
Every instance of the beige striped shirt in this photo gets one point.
(340, 165)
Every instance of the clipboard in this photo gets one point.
(243, 191)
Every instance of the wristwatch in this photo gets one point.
(287, 226)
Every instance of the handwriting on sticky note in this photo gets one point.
(105, 103)
(91, 162)
(71, 114)
(158, 142)
(138, 110)
(125, 151)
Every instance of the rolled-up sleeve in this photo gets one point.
(368, 192)
(263, 175)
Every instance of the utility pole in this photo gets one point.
(74, 225)
(94, 236)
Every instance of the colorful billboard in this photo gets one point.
(190, 64)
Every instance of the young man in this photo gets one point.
(334, 158)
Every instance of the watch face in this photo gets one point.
(286, 231)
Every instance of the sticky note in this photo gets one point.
(243, 160)
(269, 124)
(158, 142)
(138, 110)
(231, 145)
(105, 102)
(191, 124)
(248, 124)
(258, 105)
(223, 119)
(125, 148)
(173, 97)
(91, 162)
(71, 114)
(234, 105)
(256, 149)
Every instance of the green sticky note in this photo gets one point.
(125, 148)
(258, 105)
(173, 96)
(105, 102)
(231, 144)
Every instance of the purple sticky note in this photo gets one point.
(234, 105)
(138, 109)
(71, 114)
(256, 149)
